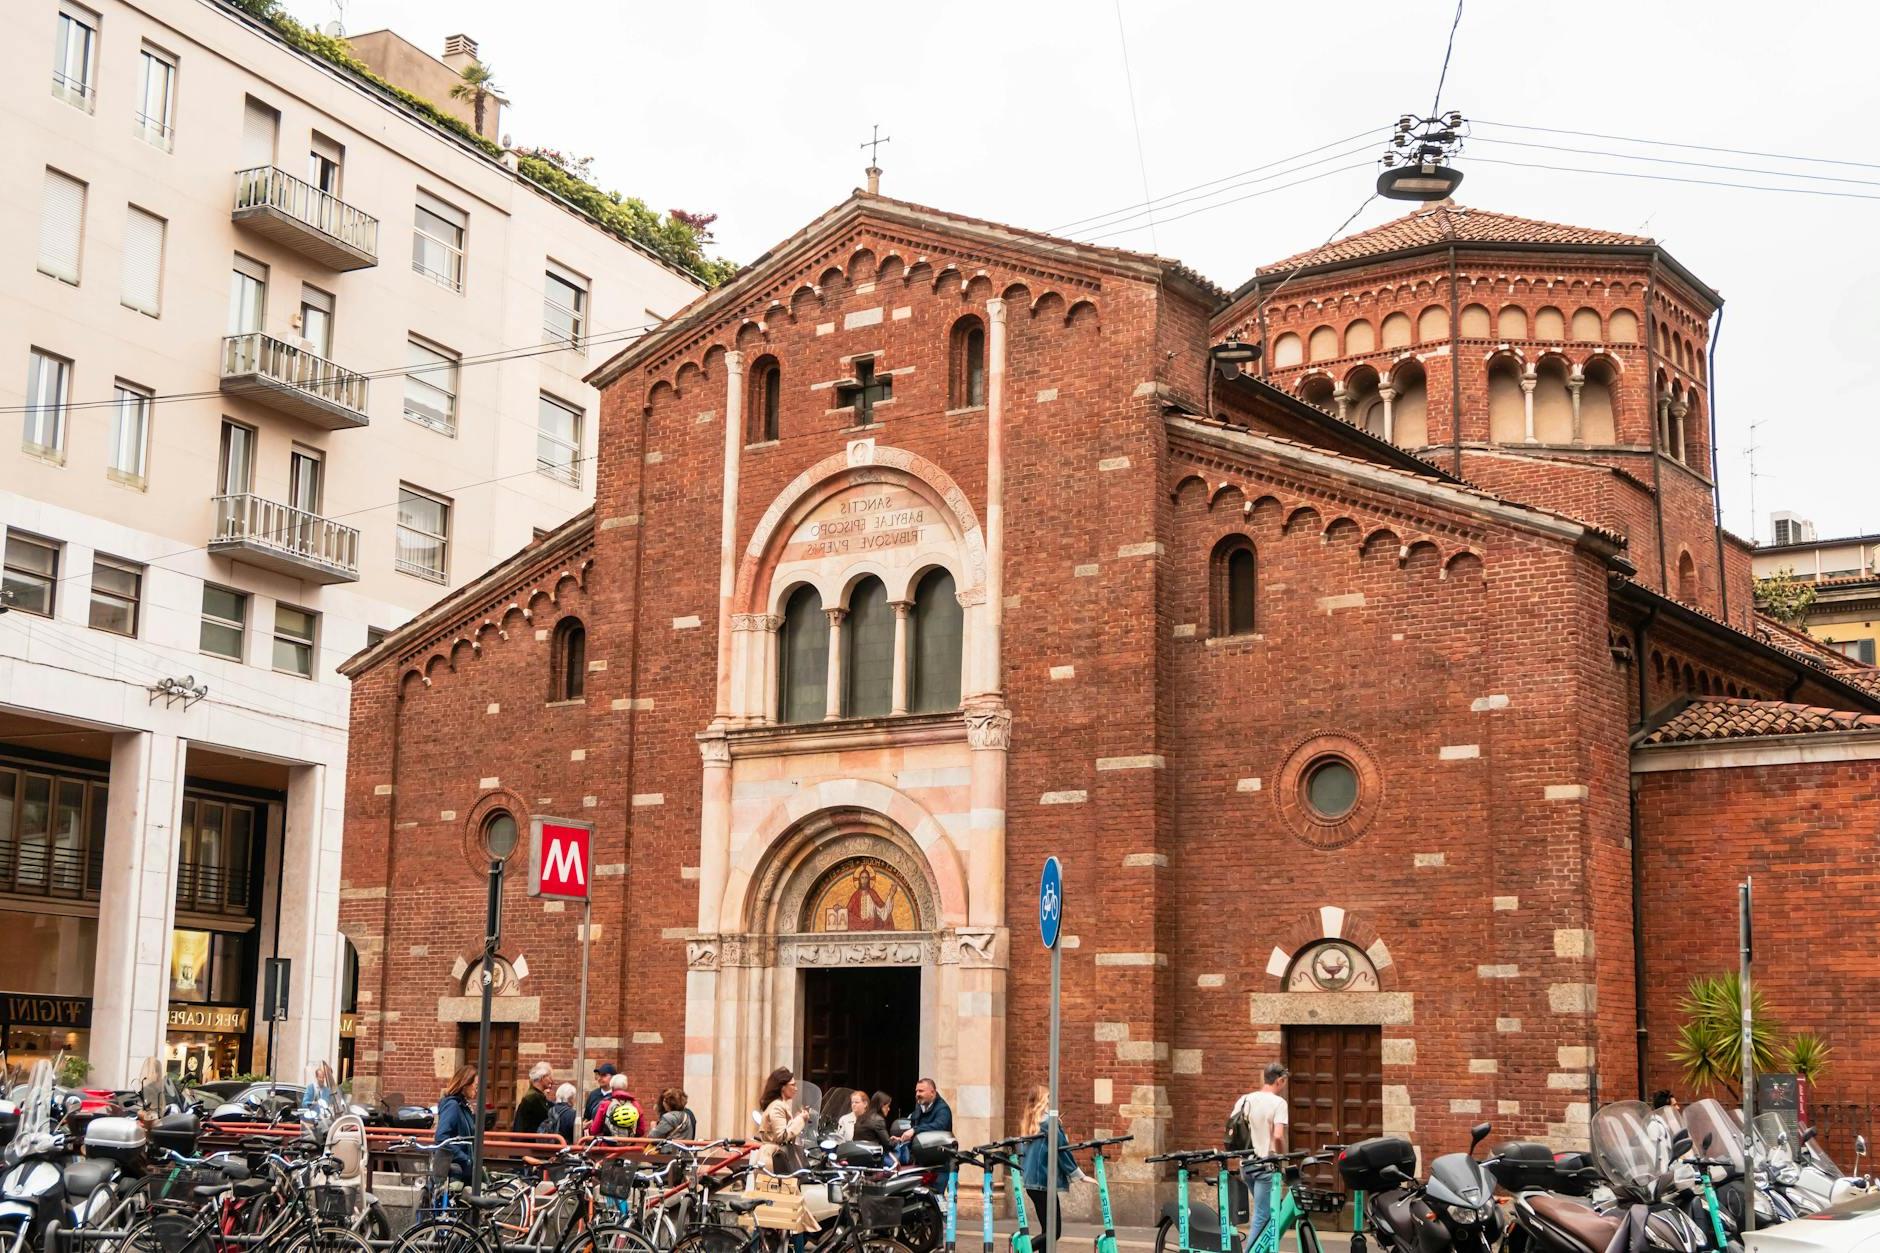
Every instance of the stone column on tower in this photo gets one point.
(832, 705)
(728, 528)
(1574, 383)
(1387, 394)
(1528, 380)
(900, 701)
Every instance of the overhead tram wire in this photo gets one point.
(1672, 178)
(1660, 160)
(1436, 105)
(1672, 143)
(1252, 195)
(1135, 118)
(1161, 201)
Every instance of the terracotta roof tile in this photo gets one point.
(1731, 718)
(1445, 223)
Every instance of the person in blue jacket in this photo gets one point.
(455, 1120)
(1035, 1161)
(930, 1113)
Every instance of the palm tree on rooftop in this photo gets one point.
(477, 84)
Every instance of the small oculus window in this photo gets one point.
(1330, 788)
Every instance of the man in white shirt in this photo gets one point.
(1262, 1113)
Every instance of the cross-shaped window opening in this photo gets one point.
(866, 391)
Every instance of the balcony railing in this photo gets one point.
(293, 380)
(211, 888)
(274, 203)
(40, 867)
(280, 537)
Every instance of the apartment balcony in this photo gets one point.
(298, 215)
(293, 380)
(280, 537)
(211, 888)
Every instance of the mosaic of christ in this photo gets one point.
(862, 894)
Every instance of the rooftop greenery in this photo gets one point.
(676, 237)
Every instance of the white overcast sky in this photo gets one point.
(1019, 111)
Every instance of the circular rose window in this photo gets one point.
(1329, 789)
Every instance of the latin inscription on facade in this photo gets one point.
(882, 518)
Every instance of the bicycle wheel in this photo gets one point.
(165, 1232)
(608, 1237)
(442, 1235)
(657, 1228)
(373, 1224)
(711, 1240)
(1308, 1237)
(880, 1243)
(325, 1239)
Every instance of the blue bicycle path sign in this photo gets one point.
(1051, 902)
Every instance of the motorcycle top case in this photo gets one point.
(1361, 1165)
(9, 1124)
(930, 1148)
(176, 1132)
(858, 1153)
(1523, 1165)
(122, 1140)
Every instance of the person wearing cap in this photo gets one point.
(603, 1076)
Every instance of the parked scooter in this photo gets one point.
(45, 1186)
(1454, 1210)
(1798, 1167)
(1105, 1242)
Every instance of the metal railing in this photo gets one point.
(1837, 1123)
(285, 529)
(74, 90)
(210, 887)
(35, 866)
(155, 131)
(304, 371)
(267, 186)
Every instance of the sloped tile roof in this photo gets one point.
(1730, 718)
(1446, 223)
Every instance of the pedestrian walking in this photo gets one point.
(455, 1121)
(1035, 1161)
(618, 1116)
(1257, 1125)
(777, 1127)
(561, 1115)
(871, 1121)
(603, 1076)
(533, 1107)
(931, 1113)
(676, 1122)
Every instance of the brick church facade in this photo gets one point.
(1396, 705)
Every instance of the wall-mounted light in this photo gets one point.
(1231, 354)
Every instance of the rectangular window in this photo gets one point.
(247, 296)
(61, 226)
(74, 55)
(564, 306)
(261, 124)
(316, 319)
(1857, 650)
(303, 479)
(238, 459)
(293, 640)
(224, 621)
(558, 440)
(431, 386)
(422, 545)
(324, 162)
(48, 389)
(31, 579)
(116, 591)
(867, 390)
(143, 261)
(437, 241)
(130, 431)
(376, 636)
(156, 107)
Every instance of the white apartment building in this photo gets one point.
(281, 362)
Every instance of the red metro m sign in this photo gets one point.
(561, 858)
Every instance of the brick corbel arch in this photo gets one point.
(1330, 922)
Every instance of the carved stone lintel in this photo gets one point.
(983, 947)
(989, 727)
(702, 954)
(715, 749)
(748, 621)
(974, 595)
(824, 950)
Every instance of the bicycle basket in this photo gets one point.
(179, 1186)
(616, 1179)
(333, 1205)
(876, 1209)
(1318, 1201)
(441, 1162)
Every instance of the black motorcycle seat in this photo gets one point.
(83, 1175)
(1586, 1226)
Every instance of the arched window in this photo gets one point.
(1323, 344)
(1317, 391)
(1397, 331)
(868, 642)
(1363, 406)
(1288, 350)
(1410, 413)
(803, 658)
(1475, 322)
(764, 419)
(939, 637)
(567, 667)
(1624, 326)
(1550, 323)
(1598, 424)
(1232, 595)
(1360, 337)
(1586, 325)
(1553, 406)
(1507, 408)
(1696, 433)
(1433, 323)
(966, 368)
(1511, 323)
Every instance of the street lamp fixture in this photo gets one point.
(1415, 163)
(1423, 183)
(1231, 354)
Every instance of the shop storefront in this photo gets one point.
(52, 818)
(213, 950)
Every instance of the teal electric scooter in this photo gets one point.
(1105, 1243)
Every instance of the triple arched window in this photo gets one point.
(887, 658)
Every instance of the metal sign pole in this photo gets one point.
(1745, 952)
(580, 1038)
(1050, 928)
(491, 936)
